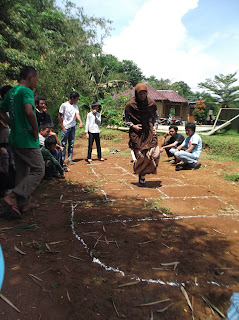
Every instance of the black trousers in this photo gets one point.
(94, 137)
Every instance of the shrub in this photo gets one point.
(200, 111)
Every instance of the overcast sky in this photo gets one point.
(180, 40)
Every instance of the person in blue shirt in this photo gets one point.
(188, 158)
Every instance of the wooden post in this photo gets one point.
(217, 118)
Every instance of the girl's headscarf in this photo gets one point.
(141, 87)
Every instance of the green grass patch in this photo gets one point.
(109, 134)
(105, 134)
(80, 132)
(234, 177)
(222, 147)
(229, 132)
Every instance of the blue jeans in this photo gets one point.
(58, 156)
(68, 136)
(186, 157)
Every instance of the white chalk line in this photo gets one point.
(105, 195)
(95, 173)
(117, 270)
(165, 196)
(107, 199)
(131, 220)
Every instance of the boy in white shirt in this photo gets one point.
(92, 130)
(193, 144)
(68, 113)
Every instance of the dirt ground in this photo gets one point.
(100, 246)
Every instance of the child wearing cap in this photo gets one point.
(92, 130)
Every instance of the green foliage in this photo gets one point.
(181, 88)
(111, 68)
(62, 47)
(221, 87)
(112, 110)
(109, 134)
(66, 49)
(229, 132)
(222, 146)
(200, 111)
(162, 84)
(234, 177)
(134, 74)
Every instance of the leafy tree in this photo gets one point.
(132, 71)
(221, 87)
(162, 84)
(109, 69)
(182, 88)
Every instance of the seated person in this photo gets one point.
(52, 166)
(7, 166)
(42, 116)
(44, 132)
(4, 127)
(7, 170)
(59, 149)
(193, 143)
(174, 141)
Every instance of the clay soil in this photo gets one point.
(100, 246)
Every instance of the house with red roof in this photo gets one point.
(166, 100)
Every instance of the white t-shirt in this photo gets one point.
(41, 140)
(68, 112)
(93, 122)
(194, 139)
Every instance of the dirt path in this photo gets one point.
(99, 230)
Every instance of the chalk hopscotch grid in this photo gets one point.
(165, 217)
(165, 196)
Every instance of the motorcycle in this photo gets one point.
(170, 120)
(178, 122)
(163, 121)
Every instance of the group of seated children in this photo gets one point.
(186, 152)
(51, 152)
(53, 167)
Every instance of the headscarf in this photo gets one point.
(142, 112)
(141, 87)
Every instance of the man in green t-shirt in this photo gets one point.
(30, 167)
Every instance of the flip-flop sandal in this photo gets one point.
(142, 180)
(14, 209)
